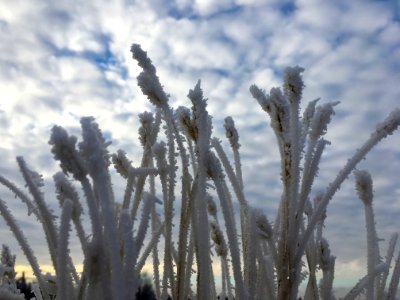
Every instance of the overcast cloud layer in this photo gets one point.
(60, 60)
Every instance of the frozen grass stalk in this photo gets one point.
(364, 189)
(64, 284)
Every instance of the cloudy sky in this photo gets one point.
(60, 60)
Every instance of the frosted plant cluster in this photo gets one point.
(177, 209)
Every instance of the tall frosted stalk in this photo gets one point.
(215, 171)
(65, 289)
(18, 234)
(34, 182)
(93, 148)
(364, 189)
(203, 124)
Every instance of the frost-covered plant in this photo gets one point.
(259, 259)
(8, 283)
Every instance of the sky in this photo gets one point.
(61, 60)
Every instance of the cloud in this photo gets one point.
(60, 61)
(208, 7)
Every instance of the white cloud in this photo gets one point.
(347, 271)
(207, 7)
(389, 35)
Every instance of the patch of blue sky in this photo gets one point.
(395, 5)
(287, 8)
(333, 92)
(58, 16)
(190, 13)
(104, 60)
(3, 24)
(51, 102)
(107, 135)
(340, 39)
(7, 69)
(186, 13)
(263, 200)
(126, 116)
(221, 72)
(231, 10)
(258, 127)
(278, 72)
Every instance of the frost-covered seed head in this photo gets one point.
(263, 226)
(324, 254)
(186, 124)
(217, 236)
(7, 259)
(231, 132)
(321, 119)
(308, 209)
(148, 80)
(146, 129)
(279, 112)
(151, 87)
(143, 60)
(364, 186)
(213, 166)
(121, 163)
(293, 84)
(160, 151)
(261, 97)
(64, 150)
(37, 178)
(201, 118)
(309, 111)
(65, 190)
(93, 147)
(389, 125)
(212, 207)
